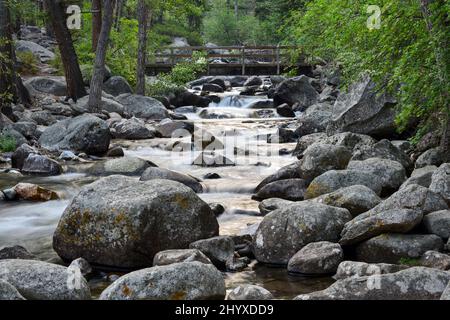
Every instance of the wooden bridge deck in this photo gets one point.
(231, 60)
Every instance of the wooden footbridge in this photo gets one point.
(231, 60)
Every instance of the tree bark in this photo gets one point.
(143, 14)
(440, 47)
(95, 95)
(96, 22)
(119, 12)
(74, 79)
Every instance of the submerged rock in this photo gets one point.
(167, 257)
(120, 222)
(249, 292)
(179, 281)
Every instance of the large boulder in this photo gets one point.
(396, 221)
(355, 269)
(413, 197)
(363, 110)
(160, 173)
(85, 133)
(395, 248)
(106, 104)
(132, 129)
(120, 222)
(44, 55)
(320, 158)
(296, 90)
(41, 165)
(167, 257)
(284, 232)
(20, 155)
(15, 252)
(315, 119)
(305, 141)
(383, 149)
(391, 173)
(126, 166)
(289, 189)
(8, 292)
(411, 284)
(32, 192)
(116, 86)
(440, 181)
(291, 171)
(49, 85)
(436, 260)
(37, 280)
(334, 180)
(438, 223)
(249, 292)
(179, 281)
(143, 107)
(356, 199)
(431, 157)
(317, 258)
(43, 118)
(268, 205)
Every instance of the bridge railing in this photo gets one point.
(225, 56)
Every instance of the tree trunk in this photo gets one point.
(119, 11)
(7, 73)
(143, 13)
(236, 8)
(96, 22)
(74, 79)
(440, 47)
(95, 95)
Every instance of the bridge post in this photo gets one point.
(278, 60)
(243, 60)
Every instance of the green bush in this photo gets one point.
(7, 143)
(28, 63)
(182, 73)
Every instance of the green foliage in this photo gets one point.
(7, 143)
(28, 63)
(401, 54)
(411, 262)
(182, 73)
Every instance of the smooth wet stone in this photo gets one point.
(37, 280)
(121, 222)
(395, 248)
(8, 292)
(213, 160)
(290, 189)
(179, 281)
(167, 257)
(84, 266)
(20, 155)
(217, 249)
(291, 171)
(334, 180)
(160, 173)
(36, 164)
(356, 199)
(436, 260)
(32, 192)
(217, 208)
(285, 110)
(15, 252)
(391, 221)
(250, 292)
(317, 258)
(284, 232)
(355, 269)
(127, 166)
(417, 283)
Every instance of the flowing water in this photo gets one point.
(242, 132)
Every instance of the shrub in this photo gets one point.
(7, 143)
(28, 63)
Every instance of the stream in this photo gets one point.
(240, 128)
